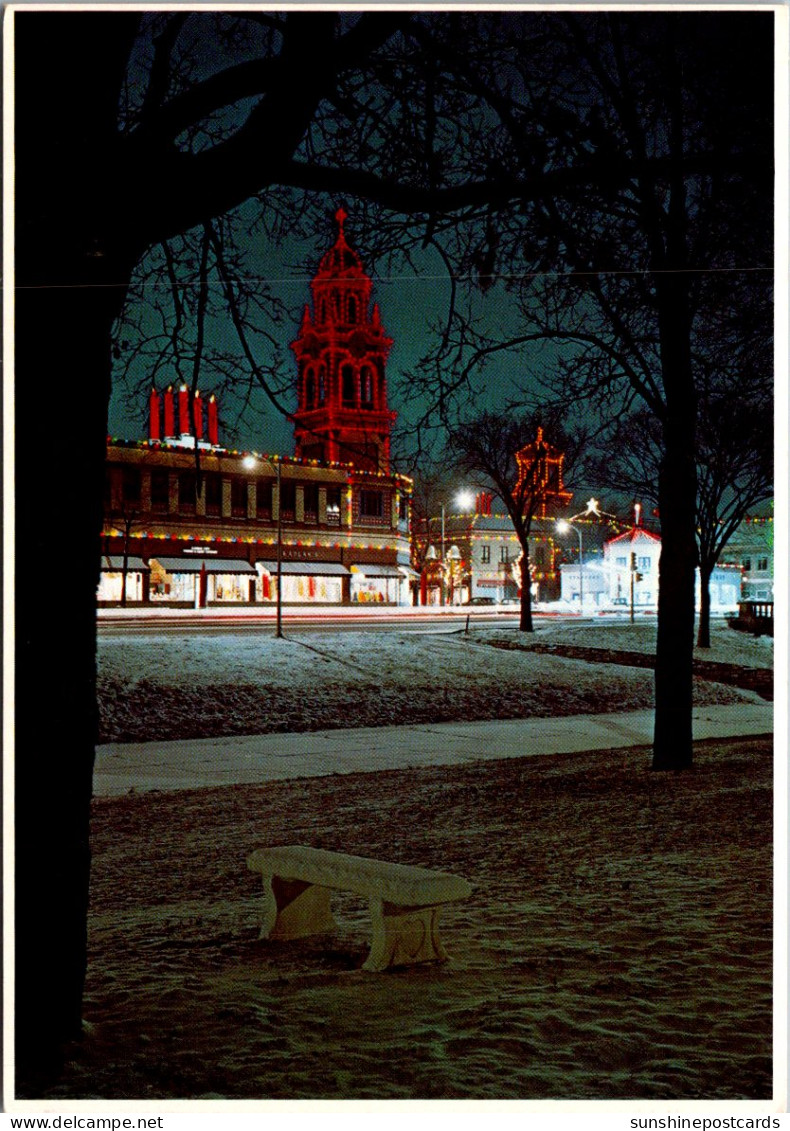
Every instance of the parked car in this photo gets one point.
(481, 601)
(511, 601)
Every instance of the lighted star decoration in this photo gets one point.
(593, 507)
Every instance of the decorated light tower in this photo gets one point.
(341, 352)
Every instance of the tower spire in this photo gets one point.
(342, 414)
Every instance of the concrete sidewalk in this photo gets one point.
(249, 759)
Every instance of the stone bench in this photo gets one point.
(404, 901)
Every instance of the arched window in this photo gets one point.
(309, 388)
(339, 308)
(366, 380)
(348, 378)
(323, 310)
(352, 309)
(321, 384)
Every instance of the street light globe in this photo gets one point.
(563, 526)
(465, 500)
(249, 462)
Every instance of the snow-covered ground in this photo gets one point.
(617, 944)
(204, 685)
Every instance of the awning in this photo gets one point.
(374, 570)
(113, 563)
(212, 565)
(407, 571)
(306, 569)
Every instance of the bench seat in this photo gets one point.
(404, 900)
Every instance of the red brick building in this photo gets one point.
(208, 530)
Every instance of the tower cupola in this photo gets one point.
(341, 352)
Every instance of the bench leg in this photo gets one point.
(403, 936)
(293, 909)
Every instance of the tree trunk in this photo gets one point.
(56, 717)
(703, 629)
(525, 621)
(672, 741)
(70, 286)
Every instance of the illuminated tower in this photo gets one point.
(341, 351)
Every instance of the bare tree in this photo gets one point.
(511, 453)
(598, 148)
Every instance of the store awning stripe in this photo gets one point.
(112, 563)
(306, 569)
(374, 570)
(212, 565)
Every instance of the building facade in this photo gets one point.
(189, 522)
(627, 574)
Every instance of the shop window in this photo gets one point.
(187, 488)
(160, 490)
(213, 494)
(311, 500)
(762, 564)
(622, 562)
(747, 564)
(287, 500)
(371, 504)
(263, 498)
(403, 509)
(238, 498)
(539, 555)
(485, 553)
(333, 506)
(130, 486)
(644, 564)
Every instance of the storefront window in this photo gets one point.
(213, 494)
(160, 490)
(238, 498)
(187, 486)
(371, 504)
(130, 486)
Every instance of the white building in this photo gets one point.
(632, 558)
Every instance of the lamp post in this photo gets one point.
(251, 462)
(563, 526)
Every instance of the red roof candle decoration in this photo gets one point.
(170, 422)
(154, 432)
(213, 421)
(197, 415)
(183, 410)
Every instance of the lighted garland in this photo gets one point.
(296, 461)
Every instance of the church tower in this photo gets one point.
(341, 351)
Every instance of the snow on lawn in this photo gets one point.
(727, 645)
(207, 685)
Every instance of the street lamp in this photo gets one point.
(464, 500)
(563, 526)
(250, 462)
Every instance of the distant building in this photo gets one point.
(631, 558)
(196, 524)
(751, 550)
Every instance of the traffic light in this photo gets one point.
(633, 562)
(638, 576)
